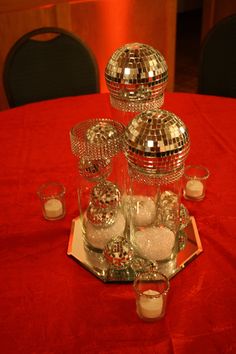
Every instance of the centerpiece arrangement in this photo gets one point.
(130, 176)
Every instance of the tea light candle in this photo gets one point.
(53, 208)
(194, 188)
(150, 307)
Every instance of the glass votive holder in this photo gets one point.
(52, 197)
(195, 178)
(151, 289)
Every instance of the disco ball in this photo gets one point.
(136, 76)
(157, 143)
(96, 139)
(106, 195)
(118, 253)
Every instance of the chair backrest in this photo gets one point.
(36, 70)
(217, 71)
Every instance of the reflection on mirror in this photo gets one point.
(189, 248)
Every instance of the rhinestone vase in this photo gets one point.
(98, 147)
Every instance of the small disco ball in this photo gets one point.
(136, 76)
(118, 253)
(101, 217)
(105, 195)
(101, 132)
(94, 170)
(96, 139)
(157, 143)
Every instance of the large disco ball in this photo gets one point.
(157, 143)
(136, 76)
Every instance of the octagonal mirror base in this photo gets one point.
(189, 244)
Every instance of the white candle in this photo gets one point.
(194, 188)
(53, 208)
(150, 307)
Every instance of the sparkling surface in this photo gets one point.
(97, 139)
(157, 143)
(118, 252)
(99, 236)
(136, 76)
(168, 268)
(144, 212)
(94, 170)
(103, 217)
(184, 217)
(155, 243)
(168, 210)
(106, 194)
(100, 132)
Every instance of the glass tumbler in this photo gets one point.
(52, 197)
(195, 179)
(151, 289)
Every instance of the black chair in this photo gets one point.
(36, 70)
(217, 74)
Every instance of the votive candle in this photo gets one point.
(53, 208)
(150, 304)
(194, 188)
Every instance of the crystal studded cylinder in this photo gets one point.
(156, 146)
(98, 147)
(136, 76)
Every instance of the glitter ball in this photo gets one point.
(155, 243)
(136, 76)
(100, 132)
(105, 194)
(103, 217)
(168, 210)
(93, 170)
(118, 253)
(97, 139)
(168, 199)
(157, 143)
(99, 236)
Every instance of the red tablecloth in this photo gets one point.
(49, 303)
